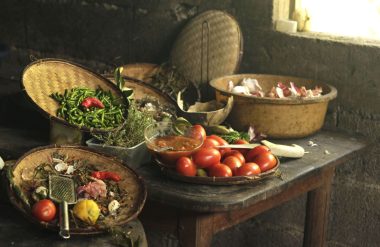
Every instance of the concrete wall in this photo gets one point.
(102, 34)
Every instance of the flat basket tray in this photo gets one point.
(132, 182)
(44, 77)
(170, 172)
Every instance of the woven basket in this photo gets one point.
(130, 181)
(43, 77)
(209, 46)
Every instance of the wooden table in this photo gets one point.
(196, 212)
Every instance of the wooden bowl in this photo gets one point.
(277, 118)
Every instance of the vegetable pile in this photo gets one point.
(215, 161)
(251, 87)
(90, 108)
(99, 193)
(131, 133)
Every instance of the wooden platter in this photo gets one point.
(131, 182)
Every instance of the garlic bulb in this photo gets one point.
(252, 84)
(113, 206)
(241, 90)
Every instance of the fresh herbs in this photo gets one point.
(169, 80)
(131, 133)
(233, 136)
(160, 111)
(71, 108)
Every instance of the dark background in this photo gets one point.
(102, 34)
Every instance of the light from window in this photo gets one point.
(344, 17)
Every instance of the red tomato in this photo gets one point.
(186, 167)
(44, 210)
(243, 151)
(210, 143)
(219, 170)
(237, 154)
(198, 132)
(206, 157)
(266, 161)
(232, 162)
(248, 169)
(250, 156)
(222, 142)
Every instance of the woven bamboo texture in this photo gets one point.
(131, 206)
(42, 78)
(209, 46)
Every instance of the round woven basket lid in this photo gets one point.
(44, 77)
(209, 46)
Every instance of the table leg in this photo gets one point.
(317, 210)
(195, 230)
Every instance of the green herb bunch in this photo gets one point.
(132, 132)
(111, 116)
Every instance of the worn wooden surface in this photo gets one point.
(333, 148)
(198, 212)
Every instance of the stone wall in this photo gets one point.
(102, 34)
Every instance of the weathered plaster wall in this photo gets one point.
(102, 34)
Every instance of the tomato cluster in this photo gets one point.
(212, 161)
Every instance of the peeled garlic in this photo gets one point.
(241, 90)
(113, 206)
(251, 84)
(60, 167)
(70, 170)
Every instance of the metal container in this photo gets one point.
(277, 118)
(134, 157)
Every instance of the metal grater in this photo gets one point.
(62, 191)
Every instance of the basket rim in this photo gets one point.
(240, 37)
(285, 101)
(141, 198)
(55, 118)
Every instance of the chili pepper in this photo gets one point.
(92, 102)
(105, 175)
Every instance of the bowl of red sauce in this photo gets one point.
(167, 144)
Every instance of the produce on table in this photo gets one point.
(105, 175)
(87, 210)
(131, 133)
(186, 167)
(113, 206)
(99, 194)
(167, 145)
(248, 169)
(251, 87)
(233, 163)
(206, 157)
(44, 210)
(41, 192)
(220, 170)
(90, 108)
(216, 159)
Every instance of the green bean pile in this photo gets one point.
(111, 116)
